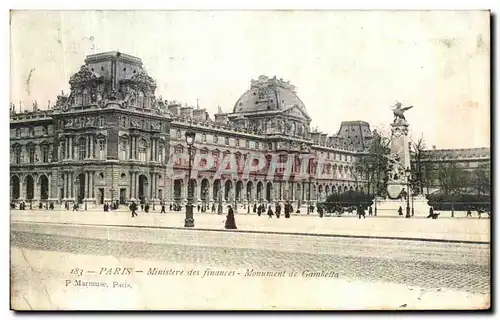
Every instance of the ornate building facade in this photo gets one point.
(112, 139)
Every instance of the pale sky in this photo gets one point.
(346, 65)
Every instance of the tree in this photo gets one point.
(372, 163)
(452, 178)
(481, 179)
(422, 164)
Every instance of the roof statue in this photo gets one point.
(399, 111)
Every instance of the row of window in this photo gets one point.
(215, 139)
(31, 131)
(143, 149)
(32, 156)
(84, 150)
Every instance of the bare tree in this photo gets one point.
(422, 164)
(372, 164)
(453, 179)
(481, 179)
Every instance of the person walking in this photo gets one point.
(133, 207)
(370, 212)
(163, 207)
(230, 221)
(278, 210)
(400, 211)
(361, 212)
(270, 212)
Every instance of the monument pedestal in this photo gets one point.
(389, 207)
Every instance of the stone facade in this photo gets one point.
(111, 138)
(108, 139)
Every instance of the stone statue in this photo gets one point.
(399, 111)
(89, 121)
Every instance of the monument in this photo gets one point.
(399, 193)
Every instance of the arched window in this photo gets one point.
(140, 99)
(85, 97)
(101, 121)
(143, 147)
(82, 148)
(18, 132)
(124, 149)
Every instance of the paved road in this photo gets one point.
(465, 267)
(476, 230)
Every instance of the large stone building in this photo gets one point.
(111, 139)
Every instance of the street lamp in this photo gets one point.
(189, 221)
(408, 175)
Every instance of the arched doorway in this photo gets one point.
(178, 189)
(345, 189)
(204, 190)
(44, 187)
(249, 190)
(30, 187)
(259, 190)
(143, 187)
(216, 190)
(339, 189)
(320, 192)
(269, 190)
(327, 190)
(239, 187)
(227, 189)
(80, 182)
(14, 185)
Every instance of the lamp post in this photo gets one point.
(408, 175)
(189, 221)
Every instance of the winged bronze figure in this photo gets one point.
(399, 111)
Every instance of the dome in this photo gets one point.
(266, 94)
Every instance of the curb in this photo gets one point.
(325, 235)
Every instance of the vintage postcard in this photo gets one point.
(250, 160)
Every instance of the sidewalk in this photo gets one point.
(448, 230)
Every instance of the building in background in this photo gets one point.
(111, 139)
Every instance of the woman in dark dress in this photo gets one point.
(230, 222)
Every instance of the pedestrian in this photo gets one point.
(431, 213)
(259, 210)
(270, 212)
(254, 208)
(287, 210)
(162, 208)
(278, 210)
(400, 211)
(320, 211)
(198, 208)
(230, 222)
(146, 207)
(361, 212)
(133, 207)
(370, 212)
(213, 208)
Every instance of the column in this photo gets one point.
(135, 149)
(210, 191)
(50, 186)
(91, 183)
(136, 185)
(70, 148)
(66, 148)
(87, 147)
(86, 192)
(131, 183)
(71, 185)
(22, 190)
(91, 147)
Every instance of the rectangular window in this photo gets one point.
(102, 149)
(18, 155)
(45, 153)
(226, 141)
(31, 152)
